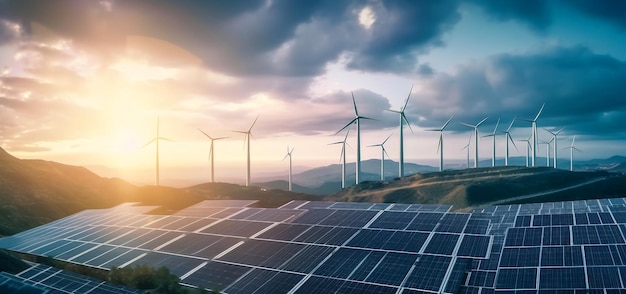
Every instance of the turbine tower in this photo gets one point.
(493, 157)
(440, 145)
(289, 152)
(475, 139)
(534, 134)
(547, 143)
(555, 139)
(343, 157)
(248, 134)
(382, 162)
(527, 150)
(156, 140)
(403, 119)
(507, 133)
(211, 153)
(571, 153)
(469, 142)
(356, 120)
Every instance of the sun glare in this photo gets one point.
(367, 17)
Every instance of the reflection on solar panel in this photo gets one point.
(319, 247)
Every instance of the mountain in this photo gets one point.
(34, 192)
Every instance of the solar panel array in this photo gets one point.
(44, 279)
(302, 247)
(318, 247)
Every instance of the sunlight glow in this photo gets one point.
(138, 71)
(367, 17)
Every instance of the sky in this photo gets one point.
(83, 82)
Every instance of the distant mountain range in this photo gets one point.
(327, 179)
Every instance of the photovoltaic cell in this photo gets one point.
(428, 273)
(216, 275)
(265, 281)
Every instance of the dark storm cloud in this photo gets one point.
(403, 29)
(583, 91)
(535, 13)
(613, 11)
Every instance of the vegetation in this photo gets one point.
(10, 263)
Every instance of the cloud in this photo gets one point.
(611, 11)
(402, 31)
(535, 13)
(583, 91)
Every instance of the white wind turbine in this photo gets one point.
(289, 152)
(571, 154)
(382, 161)
(212, 153)
(156, 140)
(357, 121)
(476, 136)
(534, 134)
(547, 143)
(403, 119)
(527, 150)
(469, 142)
(508, 138)
(440, 145)
(248, 134)
(555, 139)
(493, 157)
(343, 157)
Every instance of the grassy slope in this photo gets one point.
(474, 187)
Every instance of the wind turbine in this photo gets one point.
(476, 139)
(469, 142)
(343, 157)
(440, 145)
(534, 134)
(248, 134)
(571, 154)
(356, 120)
(555, 139)
(547, 143)
(493, 157)
(211, 154)
(382, 162)
(156, 139)
(507, 133)
(289, 152)
(527, 150)
(403, 119)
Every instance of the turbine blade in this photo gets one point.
(356, 111)
(165, 139)
(343, 149)
(149, 142)
(210, 152)
(347, 125)
(394, 111)
(220, 138)
(365, 117)
(434, 130)
(438, 145)
(496, 128)
(573, 139)
(383, 143)
(511, 125)
(576, 149)
(385, 151)
(407, 122)
(250, 129)
(205, 134)
(334, 143)
(447, 122)
(407, 99)
(512, 141)
(482, 121)
(467, 125)
(552, 133)
(539, 113)
(557, 132)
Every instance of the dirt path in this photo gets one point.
(529, 196)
